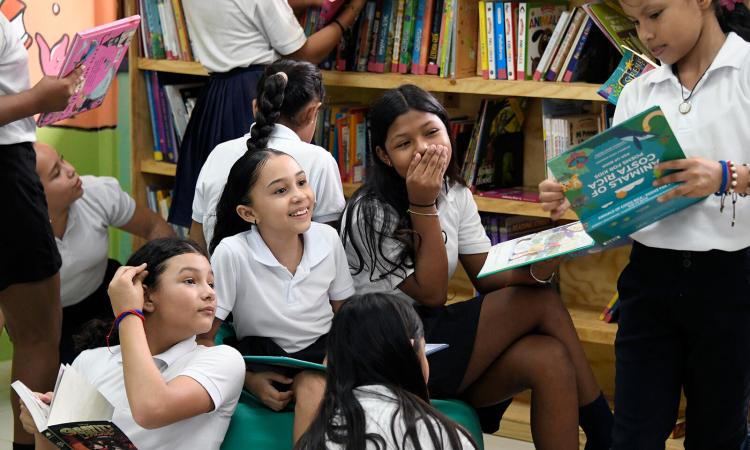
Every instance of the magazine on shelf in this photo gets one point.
(99, 51)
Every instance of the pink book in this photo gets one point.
(328, 10)
(100, 50)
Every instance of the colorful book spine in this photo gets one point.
(578, 50)
(437, 19)
(384, 32)
(489, 25)
(484, 71)
(565, 45)
(521, 42)
(396, 50)
(182, 31)
(374, 36)
(417, 38)
(510, 38)
(446, 35)
(155, 31)
(552, 46)
(407, 35)
(419, 65)
(501, 61)
(363, 51)
(571, 49)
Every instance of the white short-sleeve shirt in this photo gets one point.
(237, 33)
(319, 165)
(14, 78)
(84, 247)
(380, 405)
(716, 128)
(462, 230)
(265, 299)
(220, 370)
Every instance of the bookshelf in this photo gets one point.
(587, 283)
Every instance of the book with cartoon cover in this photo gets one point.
(632, 65)
(608, 178)
(99, 51)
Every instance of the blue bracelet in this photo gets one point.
(124, 314)
(724, 177)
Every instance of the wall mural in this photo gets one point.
(46, 28)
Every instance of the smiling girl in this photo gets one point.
(279, 274)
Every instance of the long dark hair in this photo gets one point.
(242, 177)
(378, 209)
(155, 254)
(737, 20)
(280, 95)
(369, 344)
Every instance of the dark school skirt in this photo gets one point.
(28, 251)
(75, 317)
(456, 325)
(223, 111)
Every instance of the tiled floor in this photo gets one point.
(6, 417)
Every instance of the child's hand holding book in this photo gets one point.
(52, 94)
(553, 199)
(44, 401)
(697, 177)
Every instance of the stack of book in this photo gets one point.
(164, 32)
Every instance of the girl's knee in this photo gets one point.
(548, 361)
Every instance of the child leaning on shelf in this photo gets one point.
(81, 210)
(279, 274)
(406, 229)
(684, 309)
(29, 260)
(234, 40)
(376, 388)
(290, 94)
(167, 391)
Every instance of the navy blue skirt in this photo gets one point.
(223, 111)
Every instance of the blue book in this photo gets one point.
(418, 29)
(632, 65)
(608, 178)
(501, 61)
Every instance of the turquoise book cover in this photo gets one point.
(608, 178)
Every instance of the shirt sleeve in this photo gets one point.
(221, 372)
(199, 209)
(472, 237)
(280, 26)
(342, 286)
(117, 205)
(225, 279)
(329, 192)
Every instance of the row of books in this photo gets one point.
(504, 227)
(159, 200)
(170, 106)
(343, 130)
(407, 36)
(567, 123)
(164, 31)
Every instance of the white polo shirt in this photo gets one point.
(265, 299)
(716, 128)
(463, 233)
(14, 78)
(84, 247)
(380, 405)
(220, 370)
(318, 163)
(226, 34)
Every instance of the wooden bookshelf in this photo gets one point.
(158, 167)
(470, 85)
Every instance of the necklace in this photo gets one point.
(686, 106)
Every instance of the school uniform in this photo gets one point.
(27, 247)
(234, 41)
(384, 418)
(684, 295)
(220, 370)
(267, 301)
(319, 165)
(86, 270)
(454, 324)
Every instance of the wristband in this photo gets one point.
(547, 281)
(724, 177)
(116, 324)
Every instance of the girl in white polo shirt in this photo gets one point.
(167, 391)
(405, 230)
(280, 275)
(289, 97)
(684, 310)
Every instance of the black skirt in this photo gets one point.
(223, 111)
(456, 325)
(28, 251)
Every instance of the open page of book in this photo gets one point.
(536, 247)
(77, 400)
(38, 409)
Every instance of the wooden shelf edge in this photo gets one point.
(367, 80)
(590, 328)
(168, 65)
(158, 167)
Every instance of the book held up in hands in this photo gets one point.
(79, 416)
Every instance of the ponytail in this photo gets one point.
(733, 16)
(285, 88)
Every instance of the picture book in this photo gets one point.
(536, 247)
(499, 145)
(99, 51)
(608, 178)
(632, 65)
(610, 18)
(78, 417)
(541, 19)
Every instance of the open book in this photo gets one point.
(100, 51)
(79, 416)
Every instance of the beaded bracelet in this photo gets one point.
(116, 324)
(747, 187)
(422, 214)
